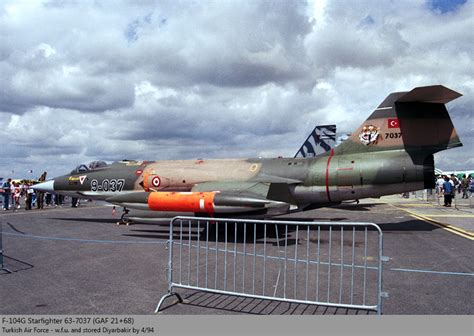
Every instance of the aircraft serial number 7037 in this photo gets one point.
(391, 152)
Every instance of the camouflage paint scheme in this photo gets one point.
(391, 152)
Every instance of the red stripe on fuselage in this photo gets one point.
(331, 154)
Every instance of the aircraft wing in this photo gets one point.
(279, 191)
(258, 188)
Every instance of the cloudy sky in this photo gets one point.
(86, 80)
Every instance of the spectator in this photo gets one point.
(439, 185)
(39, 199)
(6, 187)
(48, 199)
(33, 195)
(58, 200)
(465, 186)
(17, 196)
(455, 183)
(448, 192)
(471, 186)
(40, 195)
(23, 189)
(12, 193)
(29, 196)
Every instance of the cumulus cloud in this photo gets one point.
(87, 80)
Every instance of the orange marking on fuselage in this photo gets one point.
(182, 202)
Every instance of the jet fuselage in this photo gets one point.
(391, 152)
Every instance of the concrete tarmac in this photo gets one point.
(78, 261)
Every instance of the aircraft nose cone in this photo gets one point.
(47, 186)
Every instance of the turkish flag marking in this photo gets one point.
(393, 123)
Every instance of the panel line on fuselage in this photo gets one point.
(331, 154)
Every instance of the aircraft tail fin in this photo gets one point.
(42, 178)
(415, 121)
(320, 140)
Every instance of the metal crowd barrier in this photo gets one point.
(428, 195)
(321, 263)
(2, 266)
(1, 245)
(433, 197)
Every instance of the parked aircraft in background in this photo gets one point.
(391, 152)
(457, 173)
(322, 139)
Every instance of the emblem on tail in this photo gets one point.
(369, 134)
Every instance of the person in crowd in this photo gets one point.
(12, 193)
(470, 189)
(48, 198)
(448, 191)
(455, 183)
(29, 196)
(23, 189)
(40, 195)
(39, 199)
(58, 200)
(465, 186)
(17, 196)
(6, 188)
(439, 185)
(33, 196)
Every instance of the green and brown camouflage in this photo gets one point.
(391, 152)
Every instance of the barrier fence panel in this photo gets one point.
(1, 245)
(2, 266)
(436, 196)
(322, 263)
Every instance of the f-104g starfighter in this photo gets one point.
(390, 152)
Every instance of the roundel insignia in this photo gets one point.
(155, 181)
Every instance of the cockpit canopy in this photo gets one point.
(88, 167)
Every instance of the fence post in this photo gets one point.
(170, 271)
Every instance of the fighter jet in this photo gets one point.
(390, 152)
